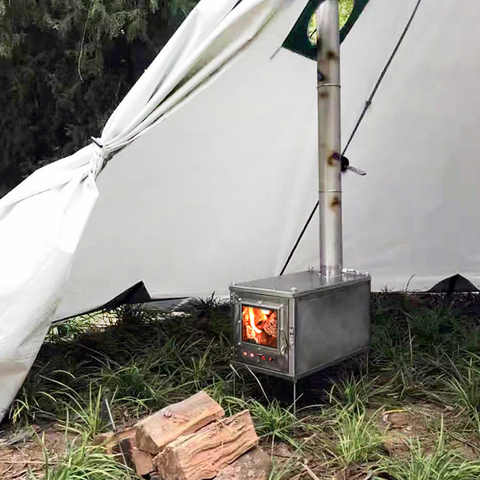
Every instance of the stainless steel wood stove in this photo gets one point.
(293, 325)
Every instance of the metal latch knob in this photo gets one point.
(346, 166)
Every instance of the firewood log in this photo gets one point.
(122, 446)
(203, 454)
(163, 427)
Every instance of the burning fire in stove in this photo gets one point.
(260, 326)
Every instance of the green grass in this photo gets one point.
(464, 386)
(273, 422)
(82, 463)
(439, 464)
(354, 391)
(424, 355)
(358, 439)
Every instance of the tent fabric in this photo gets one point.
(413, 219)
(215, 196)
(42, 220)
(219, 194)
(455, 283)
(221, 189)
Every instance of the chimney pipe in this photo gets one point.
(329, 139)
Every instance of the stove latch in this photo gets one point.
(285, 344)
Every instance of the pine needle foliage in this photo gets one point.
(64, 67)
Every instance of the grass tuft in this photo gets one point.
(273, 422)
(439, 464)
(358, 439)
(82, 463)
(464, 386)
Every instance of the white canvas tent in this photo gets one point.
(221, 190)
(217, 183)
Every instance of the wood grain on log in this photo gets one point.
(204, 454)
(163, 427)
(122, 445)
(142, 461)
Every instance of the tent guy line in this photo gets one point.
(382, 75)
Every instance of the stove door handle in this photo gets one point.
(284, 348)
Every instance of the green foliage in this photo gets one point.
(441, 464)
(358, 437)
(65, 65)
(345, 8)
(353, 392)
(66, 330)
(41, 394)
(82, 462)
(464, 386)
(86, 413)
(272, 421)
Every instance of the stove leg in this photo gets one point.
(295, 399)
(295, 406)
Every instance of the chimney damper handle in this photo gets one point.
(346, 166)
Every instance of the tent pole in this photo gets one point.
(329, 139)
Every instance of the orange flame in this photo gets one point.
(252, 320)
(260, 326)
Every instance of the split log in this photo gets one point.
(204, 454)
(122, 446)
(126, 452)
(163, 427)
(142, 461)
(253, 465)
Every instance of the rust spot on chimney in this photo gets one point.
(332, 158)
(323, 93)
(335, 203)
(331, 55)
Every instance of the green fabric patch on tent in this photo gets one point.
(298, 41)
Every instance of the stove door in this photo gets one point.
(260, 325)
(261, 332)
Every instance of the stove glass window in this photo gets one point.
(259, 326)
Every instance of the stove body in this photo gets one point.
(294, 325)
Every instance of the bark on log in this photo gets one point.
(163, 427)
(204, 454)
